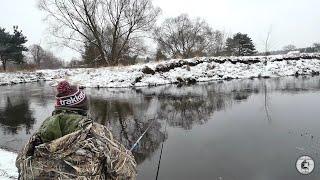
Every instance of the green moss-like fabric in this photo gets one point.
(59, 125)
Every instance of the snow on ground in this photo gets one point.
(177, 71)
(8, 169)
(26, 77)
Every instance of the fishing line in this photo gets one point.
(158, 169)
(136, 143)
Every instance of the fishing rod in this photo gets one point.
(137, 142)
(159, 162)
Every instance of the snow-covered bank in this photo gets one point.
(199, 70)
(8, 169)
(11, 78)
(178, 71)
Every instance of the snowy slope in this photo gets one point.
(178, 71)
(197, 70)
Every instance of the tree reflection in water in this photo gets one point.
(127, 111)
(16, 114)
(126, 126)
(128, 116)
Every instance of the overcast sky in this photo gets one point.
(291, 21)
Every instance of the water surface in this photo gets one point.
(239, 129)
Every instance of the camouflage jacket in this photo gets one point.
(62, 122)
(74, 147)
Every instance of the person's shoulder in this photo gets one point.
(57, 118)
(70, 111)
(51, 118)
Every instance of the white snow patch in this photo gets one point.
(8, 169)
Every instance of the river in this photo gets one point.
(253, 129)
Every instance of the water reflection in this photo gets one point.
(128, 112)
(15, 114)
(23, 107)
(126, 127)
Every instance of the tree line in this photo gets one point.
(14, 51)
(315, 47)
(113, 32)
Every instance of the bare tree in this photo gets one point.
(44, 59)
(114, 27)
(267, 42)
(289, 47)
(50, 61)
(37, 53)
(185, 37)
(128, 18)
(216, 47)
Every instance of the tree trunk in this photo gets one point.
(38, 64)
(102, 54)
(113, 51)
(95, 33)
(114, 47)
(4, 65)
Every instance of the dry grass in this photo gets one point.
(91, 153)
(23, 68)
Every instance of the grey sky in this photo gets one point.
(292, 21)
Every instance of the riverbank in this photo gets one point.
(178, 71)
(8, 169)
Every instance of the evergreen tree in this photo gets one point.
(240, 45)
(4, 46)
(12, 46)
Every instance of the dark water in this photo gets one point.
(240, 129)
